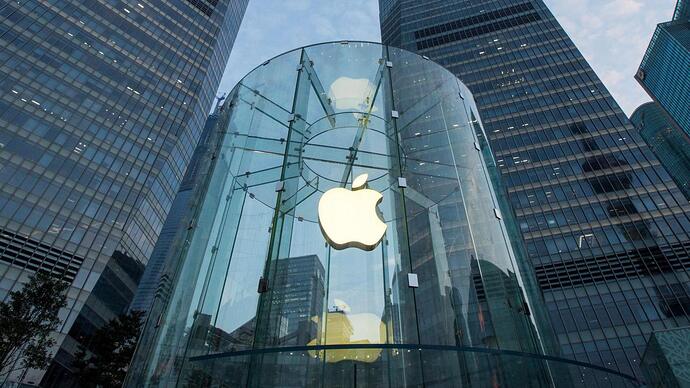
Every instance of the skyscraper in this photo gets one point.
(605, 226)
(101, 105)
(664, 73)
(669, 144)
(665, 124)
(152, 282)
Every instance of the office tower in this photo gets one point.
(670, 145)
(299, 298)
(664, 73)
(152, 284)
(665, 125)
(605, 227)
(101, 105)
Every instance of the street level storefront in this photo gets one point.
(351, 232)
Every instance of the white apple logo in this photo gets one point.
(348, 218)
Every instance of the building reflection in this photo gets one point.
(298, 293)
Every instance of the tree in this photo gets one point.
(103, 357)
(26, 321)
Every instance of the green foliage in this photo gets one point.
(26, 320)
(103, 358)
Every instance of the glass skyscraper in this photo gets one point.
(152, 283)
(101, 105)
(605, 227)
(669, 144)
(664, 72)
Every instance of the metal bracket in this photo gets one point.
(412, 280)
(263, 285)
(308, 66)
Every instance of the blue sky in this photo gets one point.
(612, 34)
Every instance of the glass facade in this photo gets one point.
(682, 10)
(666, 362)
(101, 105)
(260, 298)
(670, 145)
(663, 71)
(152, 282)
(605, 226)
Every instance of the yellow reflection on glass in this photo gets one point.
(344, 328)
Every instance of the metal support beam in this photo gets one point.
(325, 102)
(363, 124)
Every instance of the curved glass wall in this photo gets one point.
(277, 284)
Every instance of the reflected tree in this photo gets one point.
(103, 359)
(26, 320)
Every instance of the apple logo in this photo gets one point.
(348, 218)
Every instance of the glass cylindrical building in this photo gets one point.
(350, 231)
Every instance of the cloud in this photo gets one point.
(271, 27)
(613, 36)
(621, 7)
(612, 77)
